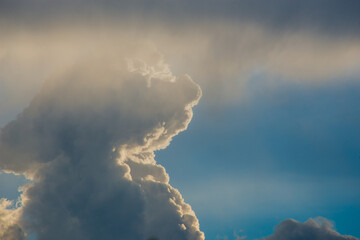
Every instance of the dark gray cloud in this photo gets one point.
(87, 141)
(329, 16)
(318, 229)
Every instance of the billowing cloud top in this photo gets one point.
(87, 142)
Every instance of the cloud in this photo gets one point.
(222, 56)
(220, 45)
(87, 142)
(96, 113)
(9, 229)
(329, 16)
(315, 229)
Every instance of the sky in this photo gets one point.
(184, 120)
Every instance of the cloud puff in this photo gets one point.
(87, 142)
(314, 229)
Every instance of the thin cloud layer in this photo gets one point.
(87, 142)
(328, 16)
(314, 229)
(220, 55)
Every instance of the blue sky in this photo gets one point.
(288, 150)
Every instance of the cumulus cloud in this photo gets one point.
(87, 142)
(314, 229)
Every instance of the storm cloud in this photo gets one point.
(87, 142)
